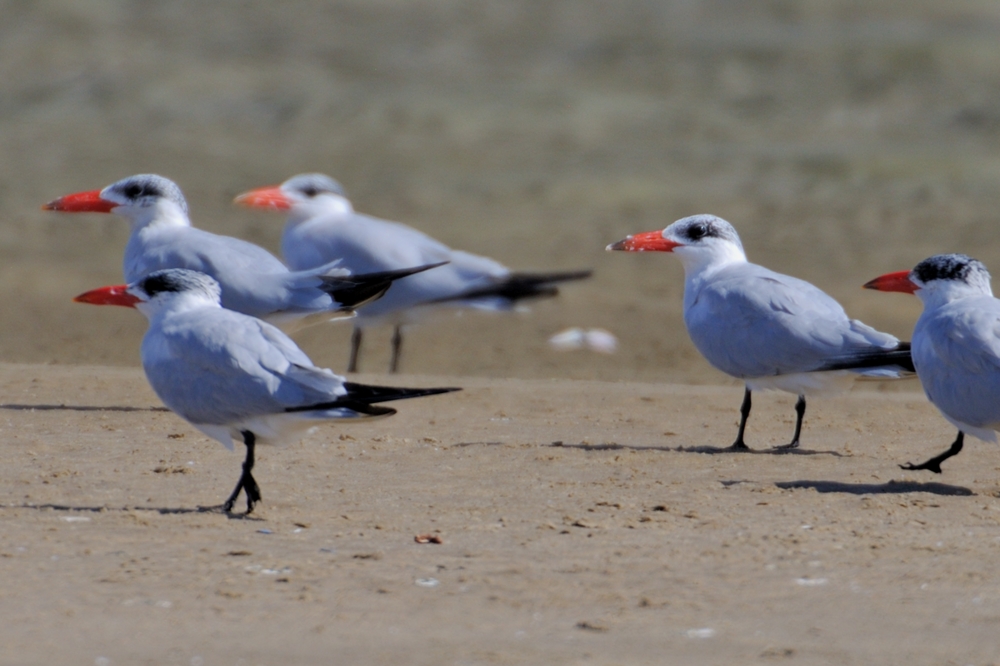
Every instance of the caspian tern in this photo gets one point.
(770, 330)
(956, 344)
(322, 225)
(231, 375)
(253, 280)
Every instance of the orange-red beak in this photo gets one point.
(898, 281)
(115, 295)
(81, 202)
(264, 197)
(649, 241)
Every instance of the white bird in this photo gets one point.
(322, 225)
(956, 344)
(231, 375)
(253, 280)
(770, 330)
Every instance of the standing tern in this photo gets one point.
(322, 225)
(253, 280)
(231, 375)
(770, 330)
(956, 344)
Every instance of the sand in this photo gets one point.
(842, 139)
(581, 522)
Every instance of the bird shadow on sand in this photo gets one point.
(889, 488)
(612, 446)
(608, 446)
(714, 450)
(124, 509)
(79, 408)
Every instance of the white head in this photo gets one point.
(142, 199)
(158, 291)
(939, 279)
(305, 195)
(699, 241)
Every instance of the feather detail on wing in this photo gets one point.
(956, 349)
(751, 322)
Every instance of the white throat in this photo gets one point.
(325, 205)
(708, 257)
(161, 213)
(936, 293)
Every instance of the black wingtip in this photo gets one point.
(518, 286)
(370, 394)
(899, 357)
(353, 291)
(360, 398)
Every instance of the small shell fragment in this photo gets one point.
(428, 538)
(601, 341)
(704, 632)
(569, 340)
(594, 339)
(811, 582)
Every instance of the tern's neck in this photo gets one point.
(941, 292)
(326, 206)
(162, 213)
(177, 304)
(701, 262)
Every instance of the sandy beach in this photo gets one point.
(580, 522)
(584, 514)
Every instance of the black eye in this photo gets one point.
(310, 191)
(157, 283)
(133, 191)
(697, 231)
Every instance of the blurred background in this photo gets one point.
(842, 138)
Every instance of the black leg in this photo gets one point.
(247, 482)
(397, 343)
(352, 365)
(800, 411)
(934, 464)
(738, 445)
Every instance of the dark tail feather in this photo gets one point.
(368, 394)
(353, 291)
(359, 407)
(520, 285)
(899, 357)
(361, 396)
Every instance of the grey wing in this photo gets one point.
(223, 368)
(196, 249)
(368, 244)
(253, 280)
(757, 323)
(957, 355)
(364, 244)
(303, 383)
